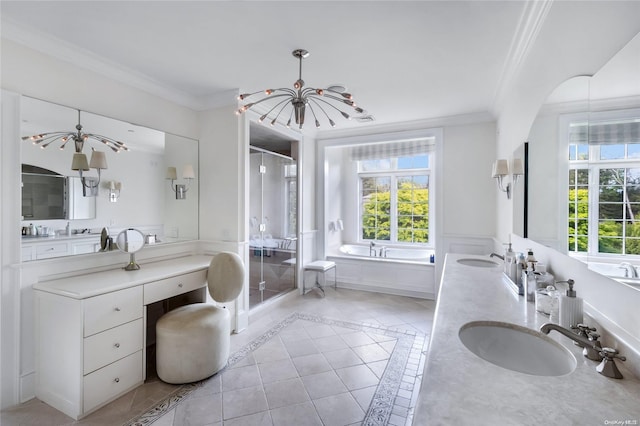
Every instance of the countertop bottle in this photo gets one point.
(510, 263)
(570, 307)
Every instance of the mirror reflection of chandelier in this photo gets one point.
(79, 162)
(329, 101)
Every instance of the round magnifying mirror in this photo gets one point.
(130, 241)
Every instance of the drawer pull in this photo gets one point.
(117, 345)
(117, 380)
(117, 309)
(180, 285)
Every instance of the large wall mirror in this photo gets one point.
(133, 190)
(584, 152)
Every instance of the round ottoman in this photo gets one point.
(192, 343)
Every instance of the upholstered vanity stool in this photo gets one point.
(192, 342)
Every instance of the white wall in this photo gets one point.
(25, 71)
(591, 33)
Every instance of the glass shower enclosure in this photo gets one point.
(272, 224)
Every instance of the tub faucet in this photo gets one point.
(383, 251)
(372, 250)
(496, 255)
(629, 270)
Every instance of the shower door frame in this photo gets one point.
(254, 149)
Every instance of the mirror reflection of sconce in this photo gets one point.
(181, 189)
(114, 190)
(79, 163)
(501, 169)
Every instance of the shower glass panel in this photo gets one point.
(272, 225)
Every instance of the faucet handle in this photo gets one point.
(610, 354)
(583, 330)
(593, 353)
(608, 367)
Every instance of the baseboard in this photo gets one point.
(387, 290)
(27, 387)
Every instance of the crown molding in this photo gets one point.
(533, 17)
(85, 59)
(448, 121)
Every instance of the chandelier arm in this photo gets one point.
(344, 101)
(319, 98)
(111, 143)
(315, 101)
(264, 99)
(284, 104)
(37, 138)
(274, 107)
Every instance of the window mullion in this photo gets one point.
(393, 216)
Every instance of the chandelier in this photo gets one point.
(79, 162)
(300, 98)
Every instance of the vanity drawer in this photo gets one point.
(44, 251)
(111, 345)
(104, 384)
(112, 309)
(163, 289)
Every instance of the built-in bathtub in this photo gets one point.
(386, 269)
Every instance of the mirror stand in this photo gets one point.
(132, 266)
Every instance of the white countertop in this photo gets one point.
(460, 388)
(62, 237)
(94, 284)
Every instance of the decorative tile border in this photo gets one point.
(393, 400)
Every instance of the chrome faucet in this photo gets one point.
(372, 250)
(608, 366)
(629, 270)
(496, 255)
(582, 341)
(383, 251)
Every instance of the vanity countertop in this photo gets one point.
(459, 387)
(94, 284)
(27, 239)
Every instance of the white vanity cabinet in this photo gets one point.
(90, 330)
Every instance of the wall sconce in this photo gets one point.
(336, 226)
(114, 190)
(79, 163)
(181, 189)
(501, 169)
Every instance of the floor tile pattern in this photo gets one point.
(318, 371)
(327, 381)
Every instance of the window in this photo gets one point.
(394, 196)
(291, 199)
(604, 185)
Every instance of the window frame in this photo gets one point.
(594, 165)
(394, 174)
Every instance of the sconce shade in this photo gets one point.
(172, 173)
(98, 160)
(518, 168)
(500, 168)
(79, 162)
(188, 172)
(112, 184)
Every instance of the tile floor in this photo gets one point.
(303, 360)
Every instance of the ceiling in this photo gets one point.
(402, 61)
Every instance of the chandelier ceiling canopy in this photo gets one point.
(323, 103)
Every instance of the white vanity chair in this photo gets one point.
(192, 342)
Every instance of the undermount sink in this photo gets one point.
(517, 348)
(480, 263)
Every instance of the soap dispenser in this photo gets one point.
(570, 307)
(510, 263)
